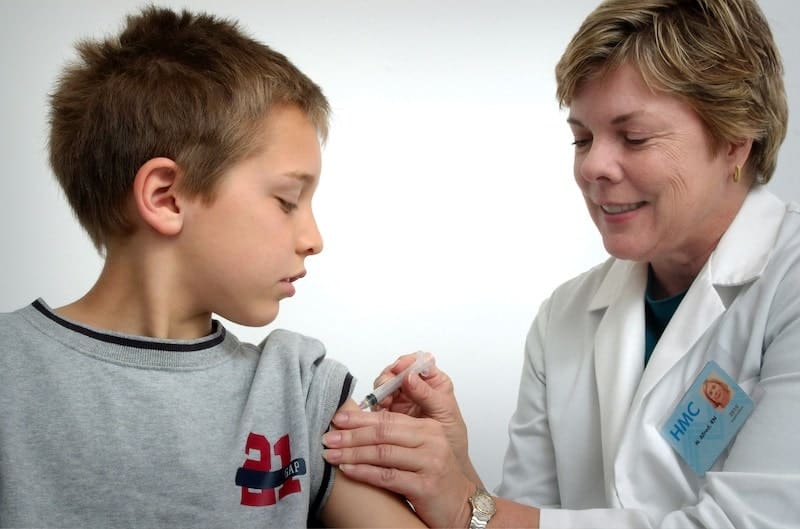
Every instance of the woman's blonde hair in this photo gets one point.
(718, 55)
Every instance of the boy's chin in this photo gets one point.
(254, 316)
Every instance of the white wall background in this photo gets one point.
(447, 201)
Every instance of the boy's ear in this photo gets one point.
(155, 195)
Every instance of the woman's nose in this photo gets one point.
(598, 162)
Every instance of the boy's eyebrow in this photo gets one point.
(300, 175)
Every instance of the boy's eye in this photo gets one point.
(287, 206)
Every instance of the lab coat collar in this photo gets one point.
(745, 247)
(611, 287)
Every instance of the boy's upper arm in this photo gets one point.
(354, 504)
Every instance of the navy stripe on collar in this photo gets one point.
(134, 342)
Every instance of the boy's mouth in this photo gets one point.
(294, 277)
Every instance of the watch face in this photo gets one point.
(484, 503)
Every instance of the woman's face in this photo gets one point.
(655, 189)
(716, 393)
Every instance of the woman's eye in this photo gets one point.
(578, 143)
(636, 141)
(287, 206)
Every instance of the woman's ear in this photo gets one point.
(155, 196)
(739, 153)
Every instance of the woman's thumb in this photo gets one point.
(431, 402)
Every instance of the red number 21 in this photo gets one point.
(263, 464)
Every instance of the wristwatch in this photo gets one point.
(483, 508)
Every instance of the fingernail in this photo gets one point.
(331, 438)
(413, 380)
(344, 467)
(341, 418)
(332, 456)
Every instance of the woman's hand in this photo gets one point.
(430, 396)
(415, 446)
(407, 455)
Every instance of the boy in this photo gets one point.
(189, 153)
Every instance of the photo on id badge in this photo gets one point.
(707, 418)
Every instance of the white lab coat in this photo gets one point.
(585, 444)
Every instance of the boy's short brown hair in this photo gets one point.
(187, 86)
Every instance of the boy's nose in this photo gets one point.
(310, 240)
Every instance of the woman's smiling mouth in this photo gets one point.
(615, 209)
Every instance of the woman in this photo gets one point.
(678, 110)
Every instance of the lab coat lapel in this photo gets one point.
(698, 310)
(618, 351)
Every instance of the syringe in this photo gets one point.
(420, 365)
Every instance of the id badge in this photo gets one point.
(707, 418)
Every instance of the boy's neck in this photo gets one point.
(137, 294)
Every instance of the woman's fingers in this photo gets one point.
(391, 370)
(388, 440)
(374, 429)
(428, 394)
(399, 457)
(357, 419)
